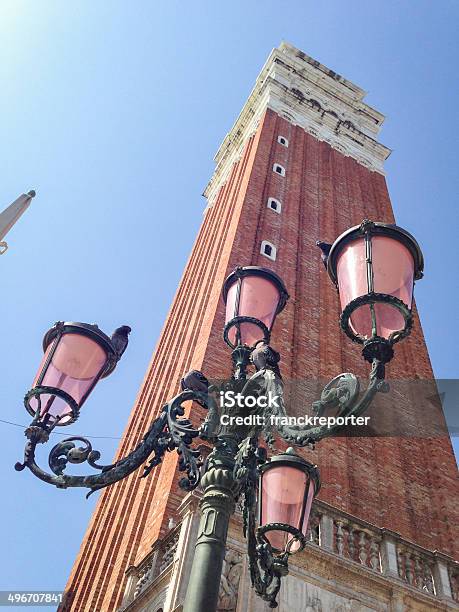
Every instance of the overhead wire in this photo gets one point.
(64, 433)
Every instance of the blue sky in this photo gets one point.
(113, 111)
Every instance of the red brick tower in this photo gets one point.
(301, 163)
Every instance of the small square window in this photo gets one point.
(274, 204)
(282, 140)
(279, 169)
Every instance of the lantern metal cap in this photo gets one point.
(242, 271)
(84, 329)
(376, 228)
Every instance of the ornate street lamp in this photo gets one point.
(253, 297)
(288, 484)
(75, 357)
(373, 266)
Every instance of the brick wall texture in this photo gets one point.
(405, 484)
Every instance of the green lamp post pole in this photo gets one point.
(217, 505)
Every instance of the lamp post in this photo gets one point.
(373, 266)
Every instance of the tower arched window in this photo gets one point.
(268, 250)
(274, 204)
(279, 169)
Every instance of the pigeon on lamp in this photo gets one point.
(263, 356)
(120, 339)
(325, 248)
(194, 380)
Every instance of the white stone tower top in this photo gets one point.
(308, 94)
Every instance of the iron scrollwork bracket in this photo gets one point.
(170, 431)
(342, 395)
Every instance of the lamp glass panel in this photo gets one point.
(77, 362)
(393, 273)
(296, 545)
(393, 267)
(282, 495)
(259, 299)
(42, 363)
(351, 271)
(231, 309)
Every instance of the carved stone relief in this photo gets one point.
(231, 576)
(298, 595)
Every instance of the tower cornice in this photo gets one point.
(307, 94)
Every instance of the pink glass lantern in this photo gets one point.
(76, 356)
(374, 266)
(253, 297)
(288, 485)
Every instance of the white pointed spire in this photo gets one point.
(11, 214)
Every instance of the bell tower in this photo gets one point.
(302, 162)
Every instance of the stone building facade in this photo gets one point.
(384, 528)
